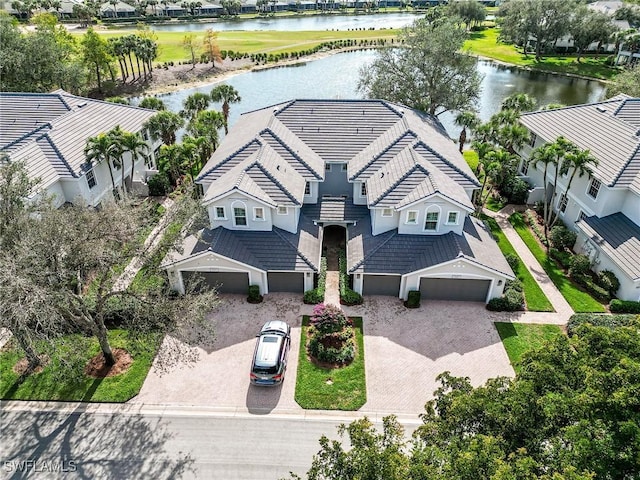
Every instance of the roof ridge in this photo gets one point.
(59, 153)
(289, 149)
(227, 158)
(258, 163)
(276, 230)
(631, 158)
(455, 167)
(567, 107)
(416, 166)
(26, 135)
(385, 150)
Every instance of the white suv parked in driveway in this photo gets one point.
(270, 355)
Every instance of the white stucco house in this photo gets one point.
(384, 179)
(49, 131)
(604, 208)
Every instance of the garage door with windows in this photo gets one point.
(224, 282)
(286, 282)
(381, 285)
(459, 289)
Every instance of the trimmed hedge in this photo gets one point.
(316, 295)
(511, 301)
(413, 299)
(624, 306)
(599, 320)
(347, 295)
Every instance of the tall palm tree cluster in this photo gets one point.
(177, 161)
(126, 48)
(25, 8)
(110, 148)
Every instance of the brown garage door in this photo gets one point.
(454, 289)
(286, 282)
(381, 285)
(224, 282)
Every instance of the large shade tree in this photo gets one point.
(429, 72)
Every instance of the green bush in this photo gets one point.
(562, 238)
(319, 349)
(562, 257)
(350, 297)
(624, 306)
(413, 299)
(513, 261)
(599, 320)
(511, 301)
(312, 297)
(596, 291)
(516, 190)
(535, 227)
(159, 185)
(514, 285)
(254, 294)
(608, 280)
(579, 266)
(347, 295)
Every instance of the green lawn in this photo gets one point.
(519, 338)
(580, 301)
(495, 204)
(348, 390)
(536, 300)
(485, 44)
(471, 156)
(265, 41)
(66, 381)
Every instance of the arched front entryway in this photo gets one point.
(334, 240)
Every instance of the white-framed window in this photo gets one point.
(594, 188)
(452, 218)
(525, 168)
(532, 139)
(343, 167)
(91, 179)
(307, 188)
(387, 212)
(363, 189)
(258, 214)
(412, 217)
(431, 221)
(282, 210)
(327, 167)
(240, 216)
(221, 213)
(562, 203)
(581, 216)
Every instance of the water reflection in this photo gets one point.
(337, 77)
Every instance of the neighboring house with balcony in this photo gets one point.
(49, 132)
(603, 208)
(383, 179)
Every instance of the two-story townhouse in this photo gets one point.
(383, 178)
(603, 208)
(49, 131)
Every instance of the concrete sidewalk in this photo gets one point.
(562, 309)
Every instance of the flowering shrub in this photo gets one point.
(328, 318)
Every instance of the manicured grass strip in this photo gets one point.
(536, 300)
(495, 204)
(67, 382)
(519, 338)
(485, 43)
(580, 301)
(348, 390)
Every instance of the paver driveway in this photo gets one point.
(405, 350)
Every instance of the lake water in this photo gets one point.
(303, 23)
(337, 77)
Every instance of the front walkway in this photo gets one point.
(562, 309)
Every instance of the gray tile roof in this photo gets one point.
(334, 209)
(393, 253)
(608, 129)
(618, 237)
(275, 250)
(370, 136)
(59, 125)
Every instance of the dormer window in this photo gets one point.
(412, 217)
(221, 213)
(240, 216)
(282, 210)
(452, 218)
(258, 214)
(431, 221)
(387, 212)
(363, 189)
(594, 188)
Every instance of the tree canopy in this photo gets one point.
(572, 413)
(627, 82)
(429, 72)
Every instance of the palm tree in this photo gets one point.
(520, 102)
(466, 119)
(101, 149)
(164, 125)
(207, 124)
(226, 94)
(194, 104)
(152, 103)
(171, 161)
(117, 135)
(136, 146)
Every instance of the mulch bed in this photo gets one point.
(97, 368)
(21, 366)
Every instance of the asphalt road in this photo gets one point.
(106, 442)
